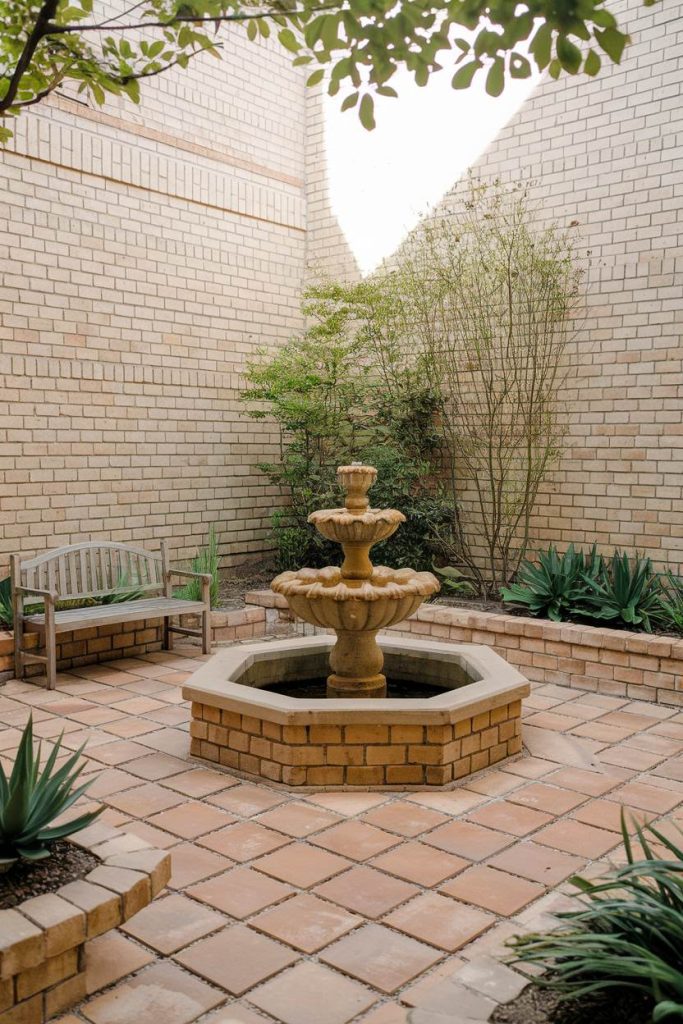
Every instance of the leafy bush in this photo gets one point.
(344, 392)
(628, 933)
(31, 799)
(205, 561)
(628, 592)
(556, 586)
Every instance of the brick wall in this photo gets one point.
(607, 153)
(147, 253)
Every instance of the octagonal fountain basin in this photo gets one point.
(457, 711)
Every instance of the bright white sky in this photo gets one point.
(383, 182)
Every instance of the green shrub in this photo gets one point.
(31, 799)
(205, 561)
(627, 593)
(555, 587)
(344, 392)
(628, 933)
(6, 612)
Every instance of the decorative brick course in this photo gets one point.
(356, 755)
(43, 940)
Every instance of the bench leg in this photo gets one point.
(19, 670)
(206, 616)
(167, 638)
(50, 645)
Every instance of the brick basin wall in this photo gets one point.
(610, 661)
(43, 940)
(369, 756)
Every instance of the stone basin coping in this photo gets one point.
(496, 683)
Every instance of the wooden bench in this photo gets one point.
(98, 569)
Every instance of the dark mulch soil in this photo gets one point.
(541, 1006)
(476, 604)
(237, 582)
(66, 863)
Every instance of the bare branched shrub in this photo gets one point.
(488, 300)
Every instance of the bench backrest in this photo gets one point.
(94, 569)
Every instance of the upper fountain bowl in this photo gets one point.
(368, 527)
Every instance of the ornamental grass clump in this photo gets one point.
(31, 799)
(556, 586)
(627, 934)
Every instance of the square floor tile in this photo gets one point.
(509, 817)
(191, 819)
(247, 800)
(380, 957)
(537, 863)
(173, 922)
(440, 921)
(244, 841)
(236, 1013)
(306, 922)
(240, 892)
(493, 890)
(162, 992)
(542, 797)
(110, 957)
(302, 865)
(144, 800)
(367, 891)
(355, 839)
(577, 838)
(584, 781)
(191, 863)
(348, 804)
(405, 818)
(465, 839)
(312, 994)
(298, 819)
(156, 766)
(236, 959)
(199, 782)
(416, 862)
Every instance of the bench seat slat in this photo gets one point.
(103, 615)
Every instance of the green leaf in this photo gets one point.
(350, 101)
(592, 64)
(613, 42)
(541, 45)
(495, 79)
(519, 66)
(316, 77)
(462, 79)
(289, 40)
(568, 54)
(366, 112)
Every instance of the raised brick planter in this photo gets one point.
(43, 940)
(609, 661)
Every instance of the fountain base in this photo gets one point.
(466, 718)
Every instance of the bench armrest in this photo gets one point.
(48, 595)
(185, 573)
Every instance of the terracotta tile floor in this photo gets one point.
(330, 908)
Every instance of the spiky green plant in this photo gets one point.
(6, 613)
(628, 932)
(554, 586)
(31, 799)
(628, 594)
(206, 561)
(672, 603)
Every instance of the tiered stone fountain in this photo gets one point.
(358, 599)
(265, 710)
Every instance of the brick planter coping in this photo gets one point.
(640, 666)
(372, 743)
(42, 940)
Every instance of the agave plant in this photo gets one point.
(206, 561)
(556, 585)
(31, 799)
(672, 603)
(629, 593)
(628, 932)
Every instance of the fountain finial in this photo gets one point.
(356, 480)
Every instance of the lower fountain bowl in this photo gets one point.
(465, 715)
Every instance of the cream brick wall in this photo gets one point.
(608, 153)
(147, 252)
